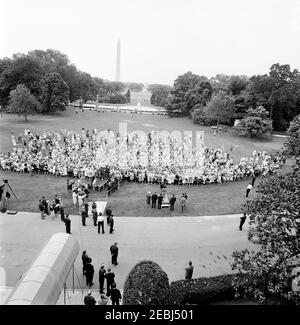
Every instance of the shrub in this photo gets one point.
(292, 145)
(203, 290)
(146, 284)
(255, 124)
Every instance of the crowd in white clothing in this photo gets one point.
(135, 158)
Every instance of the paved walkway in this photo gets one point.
(171, 242)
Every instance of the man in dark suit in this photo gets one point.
(242, 221)
(62, 212)
(67, 221)
(89, 299)
(159, 201)
(102, 273)
(110, 278)
(154, 199)
(89, 269)
(172, 202)
(114, 250)
(108, 213)
(115, 295)
(111, 223)
(83, 217)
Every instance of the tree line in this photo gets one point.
(49, 81)
(223, 98)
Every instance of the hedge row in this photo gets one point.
(203, 290)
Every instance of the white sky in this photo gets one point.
(160, 39)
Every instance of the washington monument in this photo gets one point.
(118, 68)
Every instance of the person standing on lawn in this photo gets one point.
(159, 201)
(154, 199)
(42, 209)
(148, 198)
(249, 187)
(172, 202)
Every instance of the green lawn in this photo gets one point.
(130, 199)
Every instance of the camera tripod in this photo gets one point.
(5, 191)
(6, 184)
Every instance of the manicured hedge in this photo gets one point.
(203, 290)
(146, 284)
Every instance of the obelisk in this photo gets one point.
(118, 65)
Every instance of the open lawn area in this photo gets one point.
(130, 200)
(145, 122)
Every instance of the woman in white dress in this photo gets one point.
(75, 198)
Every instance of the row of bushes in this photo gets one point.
(148, 284)
(203, 290)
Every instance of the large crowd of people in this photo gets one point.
(135, 158)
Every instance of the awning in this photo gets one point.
(43, 282)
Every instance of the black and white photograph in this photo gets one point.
(150, 155)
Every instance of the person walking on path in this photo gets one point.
(249, 187)
(89, 268)
(189, 271)
(242, 221)
(114, 251)
(102, 273)
(154, 199)
(115, 295)
(67, 221)
(110, 279)
(89, 299)
(172, 202)
(100, 221)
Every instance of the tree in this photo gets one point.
(188, 90)
(292, 146)
(22, 69)
(272, 228)
(237, 84)
(128, 96)
(160, 95)
(22, 102)
(255, 124)
(220, 108)
(146, 284)
(54, 93)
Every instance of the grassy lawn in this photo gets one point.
(130, 199)
(111, 120)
